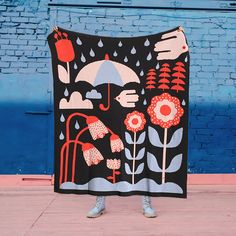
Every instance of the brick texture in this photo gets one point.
(211, 38)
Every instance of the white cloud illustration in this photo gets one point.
(75, 102)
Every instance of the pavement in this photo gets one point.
(209, 210)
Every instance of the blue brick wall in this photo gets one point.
(211, 38)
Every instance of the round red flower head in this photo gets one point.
(165, 110)
(135, 121)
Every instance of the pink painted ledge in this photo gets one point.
(193, 179)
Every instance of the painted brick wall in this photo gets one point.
(211, 37)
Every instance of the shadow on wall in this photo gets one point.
(212, 138)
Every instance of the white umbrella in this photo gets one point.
(107, 71)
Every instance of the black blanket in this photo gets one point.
(120, 113)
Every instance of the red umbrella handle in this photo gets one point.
(101, 106)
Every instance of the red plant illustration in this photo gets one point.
(92, 155)
(165, 111)
(113, 165)
(164, 75)
(134, 122)
(151, 77)
(116, 143)
(179, 75)
(64, 49)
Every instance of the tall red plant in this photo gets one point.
(151, 77)
(164, 75)
(179, 75)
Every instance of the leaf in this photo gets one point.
(127, 169)
(152, 163)
(141, 138)
(176, 138)
(109, 177)
(140, 154)
(175, 164)
(63, 75)
(128, 138)
(117, 172)
(128, 154)
(154, 137)
(139, 169)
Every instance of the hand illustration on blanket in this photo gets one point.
(131, 98)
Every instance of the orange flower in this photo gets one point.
(96, 128)
(135, 121)
(64, 47)
(116, 143)
(113, 164)
(91, 154)
(165, 110)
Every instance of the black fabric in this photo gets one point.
(143, 91)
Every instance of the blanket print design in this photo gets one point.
(121, 113)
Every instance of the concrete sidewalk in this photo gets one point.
(209, 210)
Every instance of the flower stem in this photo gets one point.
(74, 152)
(134, 154)
(65, 146)
(68, 70)
(68, 135)
(164, 156)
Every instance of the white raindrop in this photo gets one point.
(91, 53)
(120, 44)
(75, 66)
(141, 73)
(115, 54)
(77, 125)
(157, 66)
(145, 102)
(82, 58)
(66, 93)
(149, 57)
(183, 103)
(137, 63)
(186, 59)
(133, 50)
(142, 92)
(78, 41)
(146, 43)
(126, 59)
(61, 136)
(62, 118)
(100, 43)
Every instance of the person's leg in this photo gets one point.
(98, 209)
(148, 211)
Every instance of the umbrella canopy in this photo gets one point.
(107, 71)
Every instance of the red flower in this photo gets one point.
(64, 47)
(113, 164)
(165, 110)
(135, 121)
(96, 128)
(91, 154)
(116, 143)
